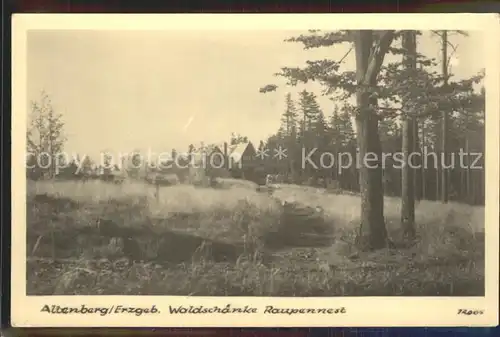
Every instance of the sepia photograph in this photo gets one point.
(243, 163)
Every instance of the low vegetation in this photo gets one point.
(97, 238)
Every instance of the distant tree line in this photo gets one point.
(305, 127)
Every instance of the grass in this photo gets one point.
(96, 238)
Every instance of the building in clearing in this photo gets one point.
(208, 163)
(242, 160)
(222, 161)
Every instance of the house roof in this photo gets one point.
(207, 149)
(236, 151)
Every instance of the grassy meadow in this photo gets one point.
(98, 238)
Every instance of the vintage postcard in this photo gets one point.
(255, 170)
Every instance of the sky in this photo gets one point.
(121, 91)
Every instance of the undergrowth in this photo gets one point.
(104, 239)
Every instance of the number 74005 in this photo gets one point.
(469, 312)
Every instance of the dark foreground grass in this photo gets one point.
(237, 242)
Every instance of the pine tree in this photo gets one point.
(288, 134)
(312, 128)
(289, 117)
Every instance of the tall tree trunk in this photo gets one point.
(438, 174)
(407, 182)
(467, 172)
(417, 176)
(369, 59)
(462, 193)
(408, 171)
(373, 234)
(423, 168)
(444, 135)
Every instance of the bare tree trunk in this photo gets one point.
(417, 177)
(437, 164)
(424, 169)
(480, 195)
(408, 172)
(408, 182)
(444, 136)
(373, 233)
(467, 171)
(462, 193)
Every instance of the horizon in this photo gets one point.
(124, 91)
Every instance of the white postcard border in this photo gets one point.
(360, 311)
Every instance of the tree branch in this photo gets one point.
(376, 58)
(326, 40)
(346, 54)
